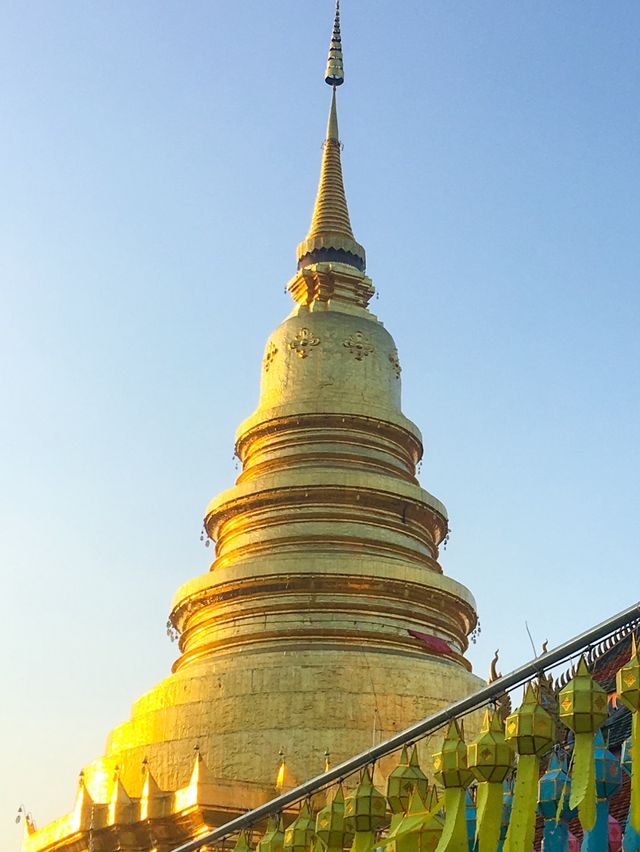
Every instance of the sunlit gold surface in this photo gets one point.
(298, 638)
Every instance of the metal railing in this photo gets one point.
(420, 729)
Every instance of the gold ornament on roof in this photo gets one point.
(269, 355)
(303, 342)
(358, 345)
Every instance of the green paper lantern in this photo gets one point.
(404, 779)
(330, 824)
(299, 836)
(365, 809)
(583, 702)
(530, 730)
(489, 756)
(450, 764)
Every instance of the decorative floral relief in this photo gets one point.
(359, 346)
(270, 354)
(302, 342)
(395, 363)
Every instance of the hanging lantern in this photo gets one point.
(490, 758)
(365, 808)
(273, 838)
(450, 768)
(330, 824)
(608, 774)
(299, 836)
(554, 790)
(450, 764)
(507, 805)
(471, 815)
(628, 689)
(405, 778)
(583, 708)
(625, 755)
(554, 786)
(419, 829)
(530, 730)
(608, 769)
(242, 843)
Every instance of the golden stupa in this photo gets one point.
(325, 618)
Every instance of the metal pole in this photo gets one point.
(420, 729)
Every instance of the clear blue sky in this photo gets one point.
(159, 165)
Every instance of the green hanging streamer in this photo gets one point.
(363, 841)
(583, 781)
(532, 731)
(454, 831)
(523, 809)
(489, 815)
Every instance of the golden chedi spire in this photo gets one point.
(330, 236)
(325, 606)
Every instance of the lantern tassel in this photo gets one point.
(583, 780)
(454, 831)
(520, 834)
(489, 816)
(363, 841)
(634, 809)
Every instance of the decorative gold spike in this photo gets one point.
(334, 74)
(330, 235)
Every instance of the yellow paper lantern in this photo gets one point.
(583, 702)
(365, 808)
(273, 838)
(450, 764)
(628, 680)
(299, 836)
(330, 824)
(489, 756)
(404, 779)
(530, 730)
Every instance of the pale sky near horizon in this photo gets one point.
(160, 161)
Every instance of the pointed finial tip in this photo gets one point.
(334, 73)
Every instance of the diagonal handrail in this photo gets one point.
(422, 728)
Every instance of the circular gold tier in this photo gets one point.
(242, 708)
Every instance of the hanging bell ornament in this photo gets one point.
(583, 708)
(404, 779)
(299, 836)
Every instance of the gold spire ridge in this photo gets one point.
(330, 236)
